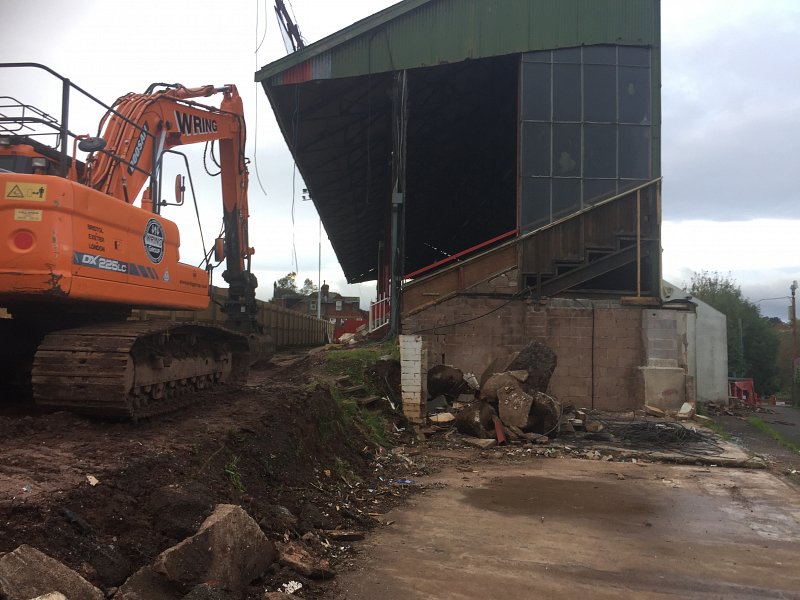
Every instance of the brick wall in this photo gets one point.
(599, 344)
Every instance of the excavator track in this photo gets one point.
(133, 370)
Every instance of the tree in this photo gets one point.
(285, 286)
(752, 342)
(308, 287)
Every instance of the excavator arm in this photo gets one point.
(142, 127)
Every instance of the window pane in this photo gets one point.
(535, 149)
(535, 92)
(634, 152)
(634, 95)
(595, 190)
(600, 55)
(600, 93)
(634, 55)
(566, 150)
(600, 151)
(566, 197)
(535, 209)
(537, 57)
(566, 92)
(567, 55)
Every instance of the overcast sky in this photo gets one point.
(731, 119)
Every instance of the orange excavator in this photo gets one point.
(83, 243)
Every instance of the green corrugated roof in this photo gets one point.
(419, 33)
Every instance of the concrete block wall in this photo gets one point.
(599, 345)
(413, 376)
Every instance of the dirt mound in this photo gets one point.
(105, 498)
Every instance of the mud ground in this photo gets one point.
(105, 498)
(566, 528)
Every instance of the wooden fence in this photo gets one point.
(287, 327)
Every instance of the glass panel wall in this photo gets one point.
(586, 128)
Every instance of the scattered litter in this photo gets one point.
(291, 587)
(27, 489)
(93, 481)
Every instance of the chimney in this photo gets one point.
(325, 287)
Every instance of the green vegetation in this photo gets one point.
(357, 365)
(765, 428)
(231, 471)
(752, 341)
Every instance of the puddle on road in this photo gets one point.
(541, 496)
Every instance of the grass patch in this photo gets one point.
(718, 429)
(775, 435)
(356, 365)
(231, 471)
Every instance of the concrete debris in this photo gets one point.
(52, 596)
(472, 382)
(483, 444)
(476, 420)
(445, 418)
(539, 361)
(594, 426)
(514, 405)
(341, 535)
(444, 380)
(229, 549)
(654, 411)
(296, 555)
(703, 419)
(686, 411)
(491, 388)
(146, 584)
(521, 376)
(27, 573)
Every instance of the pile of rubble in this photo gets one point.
(510, 402)
(219, 562)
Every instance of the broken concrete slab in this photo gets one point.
(686, 411)
(514, 405)
(496, 382)
(475, 420)
(446, 381)
(654, 411)
(229, 549)
(539, 360)
(594, 426)
(147, 584)
(299, 557)
(52, 596)
(27, 573)
(444, 418)
(483, 444)
(521, 375)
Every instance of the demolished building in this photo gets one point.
(495, 166)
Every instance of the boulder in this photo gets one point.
(146, 584)
(475, 420)
(229, 549)
(514, 405)
(444, 380)
(296, 555)
(27, 573)
(497, 381)
(539, 361)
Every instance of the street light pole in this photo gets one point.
(793, 317)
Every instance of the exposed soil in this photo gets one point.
(279, 441)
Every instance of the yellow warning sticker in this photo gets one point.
(27, 214)
(36, 192)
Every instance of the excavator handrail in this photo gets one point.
(63, 124)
